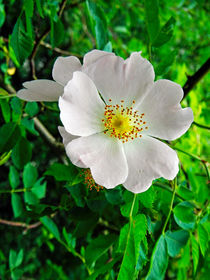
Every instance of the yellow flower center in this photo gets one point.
(123, 122)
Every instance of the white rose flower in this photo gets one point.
(48, 90)
(113, 112)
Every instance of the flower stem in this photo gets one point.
(173, 185)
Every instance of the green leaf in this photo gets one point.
(175, 241)
(123, 237)
(21, 153)
(98, 247)
(142, 260)
(29, 125)
(39, 7)
(195, 252)
(30, 198)
(17, 205)
(21, 42)
(9, 135)
(30, 175)
(5, 110)
(62, 172)
(114, 196)
(152, 18)
(164, 65)
(2, 14)
(135, 233)
(57, 33)
(14, 179)
(185, 193)
(39, 188)
(16, 105)
(70, 240)
(203, 238)
(184, 216)
(184, 261)
(159, 261)
(103, 269)
(29, 7)
(98, 23)
(147, 198)
(165, 33)
(51, 226)
(78, 194)
(32, 109)
(15, 259)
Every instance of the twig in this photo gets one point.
(20, 224)
(47, 135)
(58, 50)
(201, 125)
(194, 79)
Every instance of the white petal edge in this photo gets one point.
(40, 90)
(82, 109)
(119, 79)
(67, 137)
(103, 155)
(64, 67)
(94, 56)
(149, 159)
(163, 113)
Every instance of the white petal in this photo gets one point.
(148, 159)
(103, 155)
(40, 90)
(81, 107)
(64, 67)
(117, 79)
(93, 56)
(164, 116)
(67, 137)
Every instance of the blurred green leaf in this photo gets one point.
(175, 241)
(5, 109)
(78, 194)
(21, 153)
(57, 32)
(195, 252)
(98, 22)
(15, 259)
(159, 260)
(98, 247)
(29, 7)
(21, 42)
(114, 196)
(17, 205)
(29, 125)
(51, 226)
(152, 18)
(9, 135)
(39, 188)
(165, 33)
(30, 175)
(62, 172)
(39, 7)
(2, 14)
(14, 179)
(32, 109)
(203, 238)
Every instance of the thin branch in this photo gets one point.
(58, 50)
(201, 125)
(20, 224)
(47, 135)
(194, 79)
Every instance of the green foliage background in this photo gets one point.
(51, 225)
